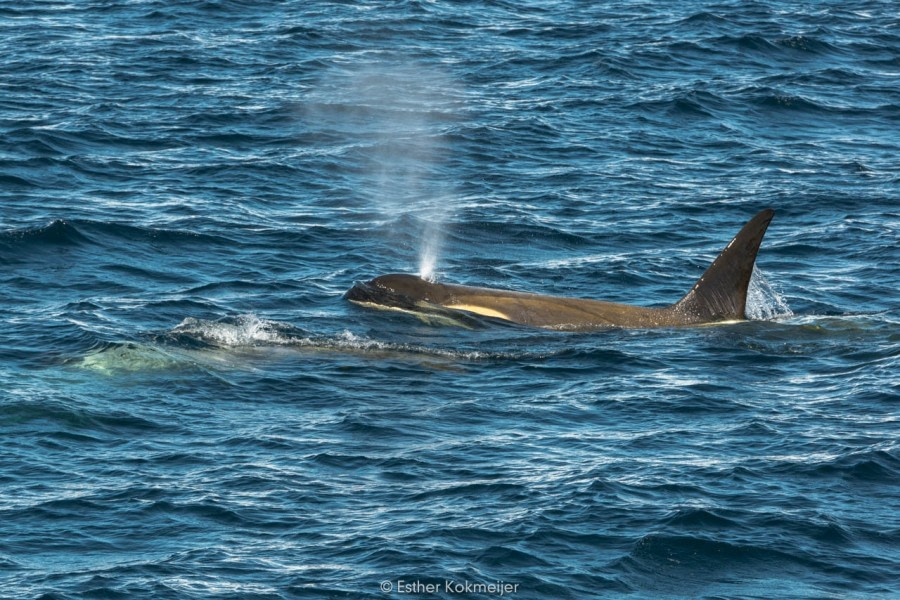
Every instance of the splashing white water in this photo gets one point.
(764, 302)
(247, 330)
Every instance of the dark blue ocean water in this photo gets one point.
(189, 409)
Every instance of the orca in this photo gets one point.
(720, 295)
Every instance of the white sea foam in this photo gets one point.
(246, 330)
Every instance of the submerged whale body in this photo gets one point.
(719, 295)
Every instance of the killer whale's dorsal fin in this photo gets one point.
(721, 292)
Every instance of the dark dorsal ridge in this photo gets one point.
(721, 293)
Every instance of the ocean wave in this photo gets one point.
(509, 491)
(692, 563)
(748, 42)
(82, 232)
(705, 17)
(74, 418)
(696, 103)
(56, 233)
(807, 43)
(509, 557)
(700, 519)
(872, 466)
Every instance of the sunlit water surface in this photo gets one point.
(189, 409)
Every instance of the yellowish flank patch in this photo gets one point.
(479, 310)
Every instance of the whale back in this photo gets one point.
(719, 295)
